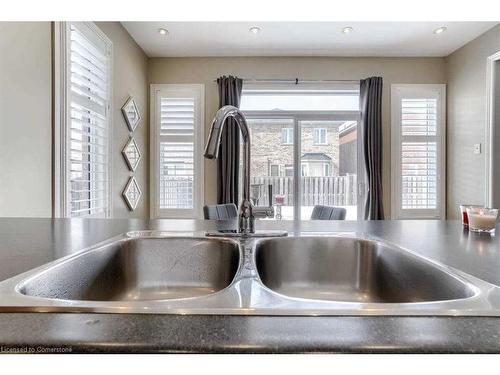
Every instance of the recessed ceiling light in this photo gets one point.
(347, 30)
(163, 31)
(440, 30)
(254, 30)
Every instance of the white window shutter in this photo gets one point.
(418, 146)
(87, 129)
(178, 141)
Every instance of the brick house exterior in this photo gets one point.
(272, 148)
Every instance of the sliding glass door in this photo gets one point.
(328, 166)
(272, 163)
(319, 167)
(305, 145)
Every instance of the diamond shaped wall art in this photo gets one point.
(131, 114)
(132, 193)
(132, 154)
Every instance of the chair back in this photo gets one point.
(328, 213)
(220, 211)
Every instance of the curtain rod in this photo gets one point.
(297, 80)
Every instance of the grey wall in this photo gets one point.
(466, 97)
(205, 70)
(25, 119)
(130, 70)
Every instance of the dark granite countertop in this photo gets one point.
(28, 243)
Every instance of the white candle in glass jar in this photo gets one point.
(481, 221)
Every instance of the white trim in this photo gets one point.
(438, 91)
(153, 150)
(61, 115)
(199, 93)
(288, 131)
(297, 168)
(490, 129)
(60, 118)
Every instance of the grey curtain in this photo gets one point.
(370, 104)
(229, 153)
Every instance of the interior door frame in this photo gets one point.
(490, 128)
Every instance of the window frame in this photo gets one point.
(437, 91)
(286, 168)
(277, 166)
(300, 116)
(61, 207)
(198, 92)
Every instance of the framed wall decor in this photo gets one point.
(132, 193)
(131, 113)
(131, 154)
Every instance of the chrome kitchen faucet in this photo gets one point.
(247, 211)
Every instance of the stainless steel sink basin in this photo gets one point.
(304, 274)
(141, 269)
(352, 270)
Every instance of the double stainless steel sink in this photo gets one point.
(307, 274)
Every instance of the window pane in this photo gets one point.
(272, 163)
(287, 136)
(319, 136)
(176, 175)
(296, 100)
(329, 166)
(418, 174)
(275, 170)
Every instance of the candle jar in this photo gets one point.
(482, 219)
(280, 200)
(464, 215)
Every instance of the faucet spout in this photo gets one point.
(246, 217)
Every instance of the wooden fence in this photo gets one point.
(329, 191)
(176, 192)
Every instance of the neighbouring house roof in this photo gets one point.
(315, 156)
(347, 127)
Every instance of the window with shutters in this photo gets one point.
(83, 95)
(177, 150)
(418, 149)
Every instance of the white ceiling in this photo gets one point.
(303, 38)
